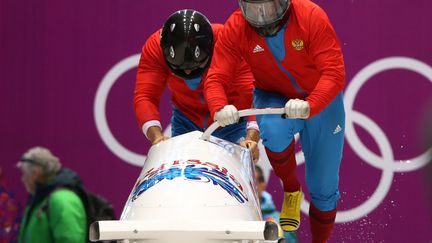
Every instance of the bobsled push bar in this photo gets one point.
(242, 113)
(153, 230)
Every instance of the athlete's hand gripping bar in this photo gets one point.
(243, 113)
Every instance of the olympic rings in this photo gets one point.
(386, 162)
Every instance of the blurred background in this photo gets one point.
(67, 73)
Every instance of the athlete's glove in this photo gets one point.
(297, 108)
(227, 115)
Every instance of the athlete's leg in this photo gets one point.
(277, 133)
(322, 142)
(278, 138)
(284, 165)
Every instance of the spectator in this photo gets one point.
(54, 211)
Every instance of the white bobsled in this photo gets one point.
(193, 188)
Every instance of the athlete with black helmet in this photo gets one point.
(297, 63)
(179, 55)
(187, 42)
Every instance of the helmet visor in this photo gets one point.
(188, 65)
(263, 12)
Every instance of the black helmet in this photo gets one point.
(187, 43)
(266, 16)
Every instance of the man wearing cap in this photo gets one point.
(54, 212)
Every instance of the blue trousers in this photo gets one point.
(180, 124)
(321, 137)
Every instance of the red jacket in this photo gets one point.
(153, 75)
(313, 58)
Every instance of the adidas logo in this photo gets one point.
(257, 49)
(337, 129)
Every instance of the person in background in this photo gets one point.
(178, 56)
(54, 211)
(268, 208)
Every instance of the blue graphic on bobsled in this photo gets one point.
(194, 172)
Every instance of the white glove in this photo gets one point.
(297, 109)
(227, 115)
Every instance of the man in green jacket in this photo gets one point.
(54, 212)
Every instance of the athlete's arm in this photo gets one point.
(243, 86)
(226, 59)
(149, 86)
(326, 52)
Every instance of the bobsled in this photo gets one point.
(193, 188)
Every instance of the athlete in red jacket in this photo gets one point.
(297, 62)
(178, 55)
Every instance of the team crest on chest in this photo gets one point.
(298, 44)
